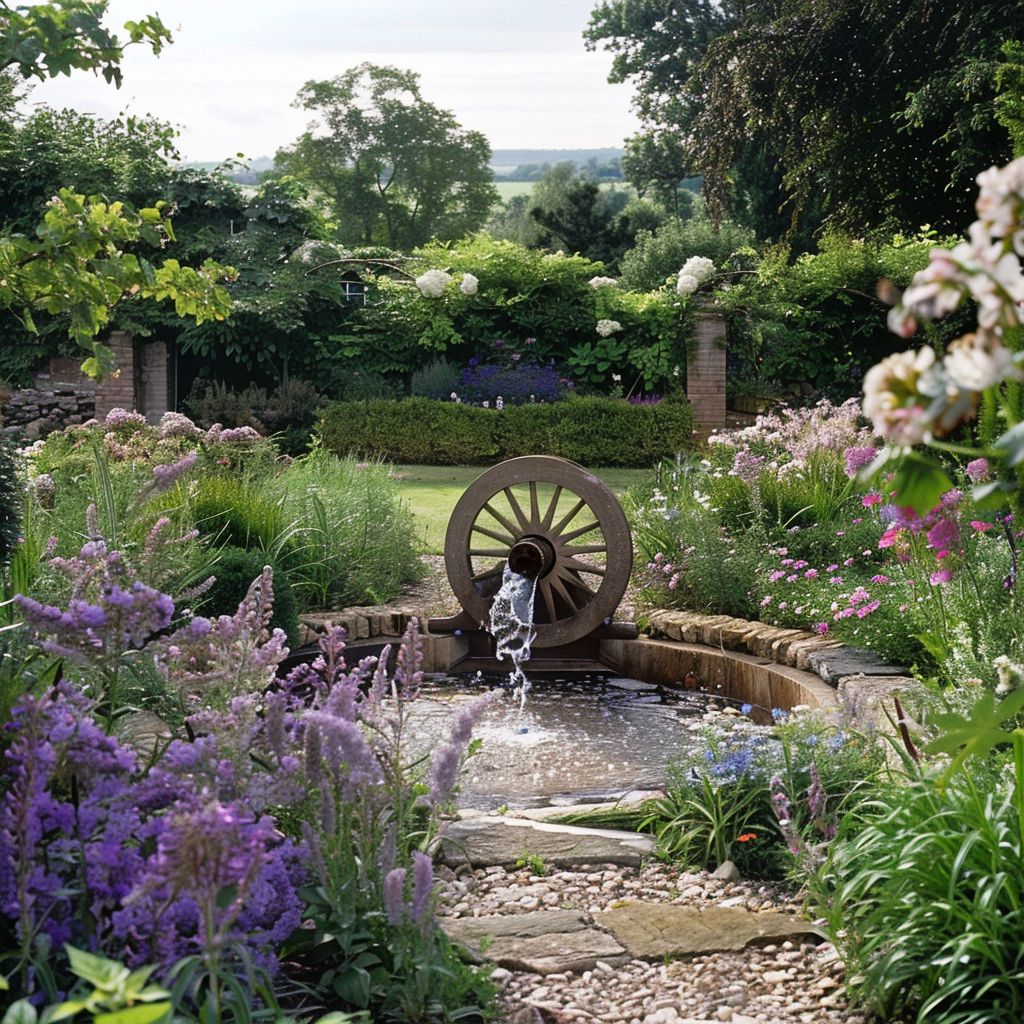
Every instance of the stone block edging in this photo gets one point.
(858, 680)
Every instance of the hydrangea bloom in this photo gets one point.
(603, 282)
(433, 283)
(469, 285)
(687, 284)
(176, 424)
(605, 328)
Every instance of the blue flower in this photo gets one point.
(746, 708)
(779, 715)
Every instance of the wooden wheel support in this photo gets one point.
(550, 519)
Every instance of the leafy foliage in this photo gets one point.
(397, 169)
(50, 39)
(592, 431)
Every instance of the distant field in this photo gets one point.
(508, 189)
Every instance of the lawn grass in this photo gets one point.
(432, 491)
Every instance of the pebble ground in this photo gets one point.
(797, 982)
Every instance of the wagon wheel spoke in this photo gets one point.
(517, 511)
(500, 537)
(569, 517)
(549, 515)
(507, 523)
(586, 549)
(549, 600)
(575, 581)
(576, 565)
(496, 570)
(563, 593)
(489, 552)
(595, 525)
(534, 506)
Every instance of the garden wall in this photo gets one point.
(63, 395)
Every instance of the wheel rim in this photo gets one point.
(564, 511)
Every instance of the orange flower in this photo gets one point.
(746, 837)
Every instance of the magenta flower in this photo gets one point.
(821, 628)
(937, 579)
(874, 498)
(980, 526)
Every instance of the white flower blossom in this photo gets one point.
(433, 283)
(891, 396)
(499, 403)
(469, 285)
(608, 327)
(979, 361)
(687, 284)
(603, 282)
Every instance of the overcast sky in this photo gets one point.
(515, 70)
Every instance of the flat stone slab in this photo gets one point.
(833, 664)
(631, 685)
(489, 840)
(651, 931)
(541, 942)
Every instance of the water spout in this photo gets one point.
(511, 625)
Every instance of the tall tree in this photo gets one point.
(397, 169)
(882, 111)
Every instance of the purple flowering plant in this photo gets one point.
(285, 803)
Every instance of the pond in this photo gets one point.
(578, 740)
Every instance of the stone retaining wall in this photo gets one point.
(32, 413)
(746, 662)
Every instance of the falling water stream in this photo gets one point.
(511, 625)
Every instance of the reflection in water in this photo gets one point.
(574, 742)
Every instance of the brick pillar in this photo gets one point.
(705, 372)
(118, 390)
(153, 380)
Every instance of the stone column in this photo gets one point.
(118, 390)
(153, 380)
(705, 372)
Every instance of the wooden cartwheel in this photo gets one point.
(547, 518)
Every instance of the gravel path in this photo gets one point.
(787, 982)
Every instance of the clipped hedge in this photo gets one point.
(591, 431)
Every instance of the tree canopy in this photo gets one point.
(397, 169)
(882, 112)
(84, 253)
(46, 40)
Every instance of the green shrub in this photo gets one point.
(348, 538)
(436, 380)
(10, 502)
(592, 431)
(417, 430)
(603, 432)
(658, 255)
(235, 570)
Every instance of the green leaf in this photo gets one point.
(1012, 442)
(97, 970)
(21, 1012)
(977, 734)
(353, 985)
(149, 1013)
(920, 483)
